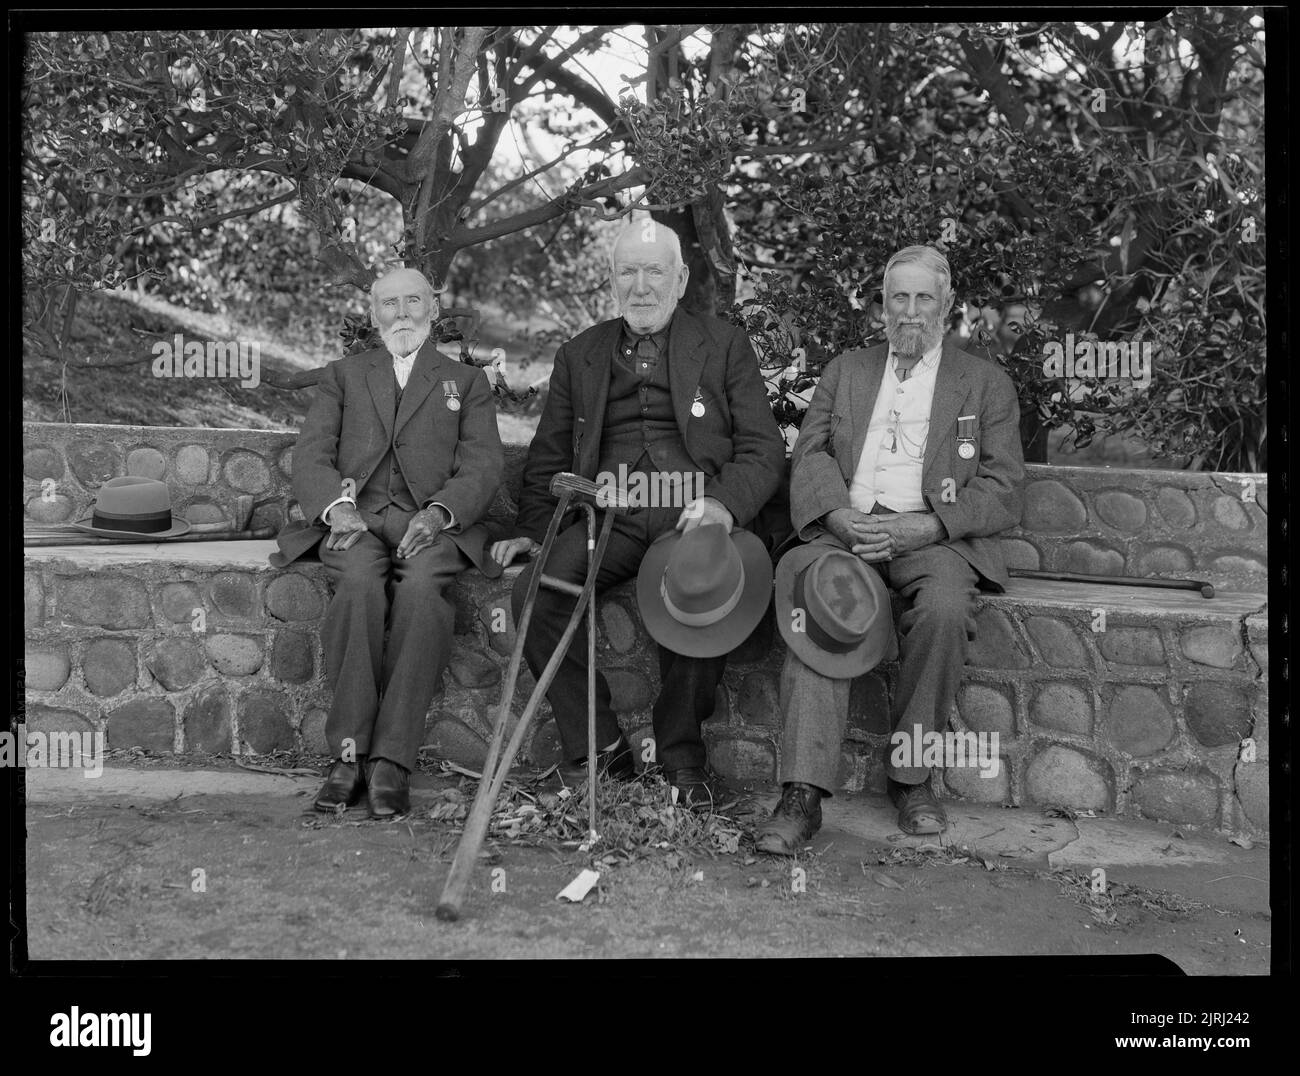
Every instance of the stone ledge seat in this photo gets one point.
(1143, 718)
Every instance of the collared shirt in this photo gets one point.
(402, 366)
(641, 352)
(893, 455)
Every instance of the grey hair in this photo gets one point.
(928, 258)
(674, 240)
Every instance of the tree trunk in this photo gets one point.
(701, 285)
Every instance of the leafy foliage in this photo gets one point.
(1100, 179)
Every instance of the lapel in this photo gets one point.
(950, 391)
(865, 377)
(595, 385)
(686, 356)
(382, 383)
(419, 384)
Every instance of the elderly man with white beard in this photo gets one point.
(909, 457)
(398, 459)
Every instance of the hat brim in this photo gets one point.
(711, 640)
(179, 526)
(878, 644)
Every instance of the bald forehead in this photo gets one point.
(644, 244)
(913, 276)
(398, 281)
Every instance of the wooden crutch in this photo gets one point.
(497, 765)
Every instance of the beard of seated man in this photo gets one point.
(912, 337)
(404, 337)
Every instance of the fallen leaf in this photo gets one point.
(884, 880)
(1241, 842)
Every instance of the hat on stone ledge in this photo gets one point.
(133, 507)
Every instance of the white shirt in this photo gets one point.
(893, 455)
(402, 367)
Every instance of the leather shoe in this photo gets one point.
(615, 762)
(388, 789)
(695, 789)
(919, 813)
(794, 820)
(344, 786)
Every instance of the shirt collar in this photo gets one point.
(929, 360)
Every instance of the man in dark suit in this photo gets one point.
(398, 459)
(661, 393)
(909, 456)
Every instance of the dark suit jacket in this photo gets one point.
(736, 444)
(451, 457)
(988, 487)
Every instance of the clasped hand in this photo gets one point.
(880, 537)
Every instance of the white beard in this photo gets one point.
(913, 341)
(406, 341)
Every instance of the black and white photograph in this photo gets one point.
(669, 495)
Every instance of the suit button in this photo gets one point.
(365, 474)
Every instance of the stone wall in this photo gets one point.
(204, 647)
(1094, 520)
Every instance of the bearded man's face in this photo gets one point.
(404, 307)
(916, 309)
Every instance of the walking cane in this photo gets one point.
(497, 765)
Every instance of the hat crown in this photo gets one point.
(704, 570)
(133, 495)
(838, 585)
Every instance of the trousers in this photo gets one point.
(934, 636)
(382, 693)
(688, 685)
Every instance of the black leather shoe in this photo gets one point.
(794, 820)
(388, 789)
(344, 786)
(919, 813)
(696, 790)
(615, 762)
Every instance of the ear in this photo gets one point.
(681, 286)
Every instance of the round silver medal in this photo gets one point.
(965, 450)
(453, 404)
(697, 409)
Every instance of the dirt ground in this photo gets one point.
(231, 864)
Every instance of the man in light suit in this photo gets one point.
(398, 459)
(657, 391)
(909, 456)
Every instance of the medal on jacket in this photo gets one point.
(966, 436)
(452, 393)
(697, 408)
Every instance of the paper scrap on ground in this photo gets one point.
(580, 886)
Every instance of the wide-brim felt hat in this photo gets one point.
(846, 626)
(701, 593)
(133, 507)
